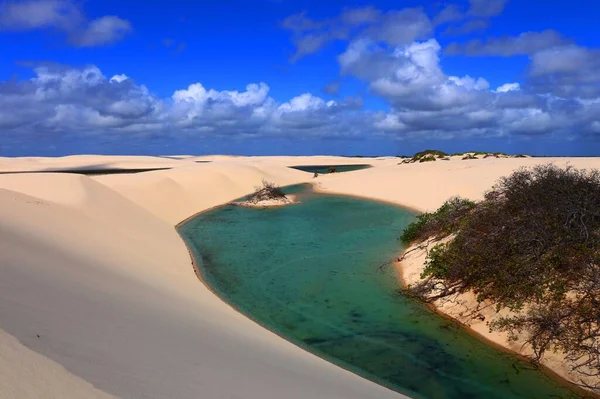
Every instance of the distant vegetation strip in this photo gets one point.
(434, 155)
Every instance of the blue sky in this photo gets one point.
(298, 77)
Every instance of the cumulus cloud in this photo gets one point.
(409, 76)
(424, 101)
(566, 71)
(524, 44)
(65, 16)
(60, 99)
(427, 102)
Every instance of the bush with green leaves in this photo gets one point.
(426, 153)
(532, 245)
(439, 223)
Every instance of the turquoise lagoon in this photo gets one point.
(318, 274)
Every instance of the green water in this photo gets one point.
(316, 273)
(321, 169)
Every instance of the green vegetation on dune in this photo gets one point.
(532, 245)
(434, 155)
(441, 222)
(426, 156)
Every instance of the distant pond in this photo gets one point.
(325, 168)
(318, 274)
(93, 172)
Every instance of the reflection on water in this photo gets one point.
(317, 273)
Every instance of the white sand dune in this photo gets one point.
(98, 296)
(425, 186)
(95, 268)
(75, 162)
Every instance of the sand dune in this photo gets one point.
(33, 164)
(425, 186)
(95, 268)
(108, 286)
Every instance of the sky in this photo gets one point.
(299, 77)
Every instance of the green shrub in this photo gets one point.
(434, 153)
(428, 158)
(438, 223)
(534, 240)
(436, 265)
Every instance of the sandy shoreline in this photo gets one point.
(94, 266)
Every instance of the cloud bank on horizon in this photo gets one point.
(395, 54)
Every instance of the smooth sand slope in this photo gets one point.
(98, 289)
(98, 296)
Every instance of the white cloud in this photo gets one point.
(393, 27)
(196, 100)
(424, 102)
(119, 78)
(304, 102)
(506, 46)
(102, 31)
(469, 83)
(559, 60)
(505, 88)
(390, 122)
(65, 16)
(566, 71)
(81, 101)
(35, 14)
(409, 76)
